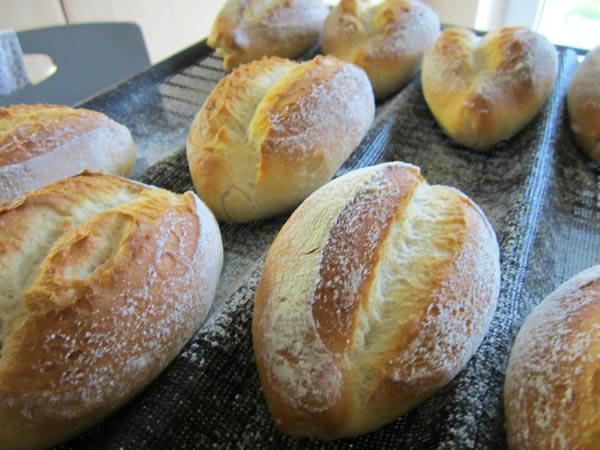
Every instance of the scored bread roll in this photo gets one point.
(484, 90)
(40, 144)
(551, 392)
(275, 130)
(382, 303)
(387, 40)
(102, 282)
(247, 30)
(584, 104)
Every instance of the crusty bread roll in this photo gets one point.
(102, 281)
(584, 104)
(247, 30)
(385, 39)
(551, 393)
(380, 304)
(482, 91)
(40, 144)
(274, 131)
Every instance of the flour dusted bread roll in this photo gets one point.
(274, 131)
(386, 39)
(40, 144)
(247, 30)
(375, 294)
(552, 387)
(102, 281)
(483, 91)
(584, 105)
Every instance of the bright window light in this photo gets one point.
(575, 23)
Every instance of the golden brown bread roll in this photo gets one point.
(382, 303)
(273, 131)
(102, 281)
(584, 104)
(483, 91)
(551, 393)
(40, 144)
(387, 40)
(247, 30)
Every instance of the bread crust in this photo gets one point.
(391, 294)
(483, 91)
(247, 30)
(583, 101)
(387, 40)
(273, 131)
(103, 282)
(551, 388)
(42, 143)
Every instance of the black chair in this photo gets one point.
(89, 58)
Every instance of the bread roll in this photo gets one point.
(40, 144)
(552, 388)
(483, 91)
(386, 39)
(584, 105)
(274, 131)
(375, 294)
(102, 281)
(247, 30)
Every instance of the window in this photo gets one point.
(575, 23)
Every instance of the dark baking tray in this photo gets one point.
(539, 191)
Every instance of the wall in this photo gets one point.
(456, 12)
(26, 14)
(167, 26)
(523, 12)
(491, 14)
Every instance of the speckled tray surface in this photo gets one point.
(538, 190)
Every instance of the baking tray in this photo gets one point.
(540, 193)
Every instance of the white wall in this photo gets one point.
(455, 12)
(167, 26)
(490, 14)
(26, 14)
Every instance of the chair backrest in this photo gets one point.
(89, 58)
